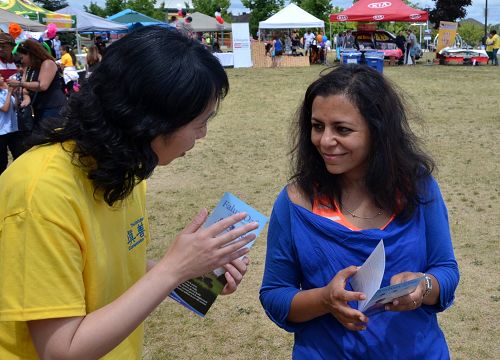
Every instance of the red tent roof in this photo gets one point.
(376, 10)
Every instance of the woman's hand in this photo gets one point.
(408, 302)
(235, 271)
(336, 297)
(197, 250)
(13, 82)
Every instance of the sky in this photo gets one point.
(475, 11)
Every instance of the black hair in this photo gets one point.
(397, 162)
(149, 83)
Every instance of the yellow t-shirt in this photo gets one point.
(66, 60)
(496, 41)
(64, 252)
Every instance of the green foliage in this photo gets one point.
(52, 5)
(319, 8)
(471, 33)
(208, 7)
(146, 7)
(261, 10)
(448, 10)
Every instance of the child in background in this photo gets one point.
(8, 126)
(68, 63)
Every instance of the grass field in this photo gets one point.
(245, 152)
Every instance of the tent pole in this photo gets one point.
(78, 44)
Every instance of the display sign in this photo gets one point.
(447, 33)
(241, 45)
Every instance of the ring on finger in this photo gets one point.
(414, 304)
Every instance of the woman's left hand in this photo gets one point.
(408, 302)
(235, 271)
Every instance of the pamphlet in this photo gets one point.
(368, 279)
(199, 294)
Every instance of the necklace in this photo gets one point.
(380, 212)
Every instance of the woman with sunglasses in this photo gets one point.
(41, 79)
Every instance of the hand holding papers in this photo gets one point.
(200, 293)
(369, 278)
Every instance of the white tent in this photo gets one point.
(291, 17)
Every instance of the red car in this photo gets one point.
(381, 40)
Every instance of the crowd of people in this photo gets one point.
(45, 76)
(73, 284)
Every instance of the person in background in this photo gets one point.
(7, 44)
(41, 79)
(93, 59)
(277, 51)
(360, 175)
(308, 38)
(56, 44)
(8, 126)
(411, 42)
(401, 44)
(68, 65)
(77, 202)
(494, 41)
(349, 40)
(101, 45)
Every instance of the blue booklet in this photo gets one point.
(199, 294)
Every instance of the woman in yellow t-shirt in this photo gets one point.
(75, 282)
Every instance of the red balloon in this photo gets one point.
(220, 20)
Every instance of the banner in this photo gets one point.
(447, 33)
(241, 45)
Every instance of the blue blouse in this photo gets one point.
(305, 251)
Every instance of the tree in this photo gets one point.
(471, 33)
(261, 10)
(52, 5)
(319, 8)
(208, 7)
(111, 7)
(448, 10)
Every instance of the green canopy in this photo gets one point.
(28, 9)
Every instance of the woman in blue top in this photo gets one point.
(360, 176)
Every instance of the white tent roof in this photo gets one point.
(291, 17)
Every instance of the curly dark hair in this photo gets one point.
(149, 83)
(397, 161)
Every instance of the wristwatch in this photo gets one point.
(428, 285)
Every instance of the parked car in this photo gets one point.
(382, 40)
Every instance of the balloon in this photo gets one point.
(219, 19)
(319, 37)
(51, 31)
(325, 38)
(15, 30)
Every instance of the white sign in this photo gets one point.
(241, 45)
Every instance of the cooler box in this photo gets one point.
(375, 59)
(353, 57)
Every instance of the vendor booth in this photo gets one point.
(86, 22)
(368, 10)
(26, 8)
(26, 24)
(290, 17)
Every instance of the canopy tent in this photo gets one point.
(35, 12)
(370, 10)
(291, 17)
(26, 24)
(132, 18)
(87, 22)
(204, 23)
